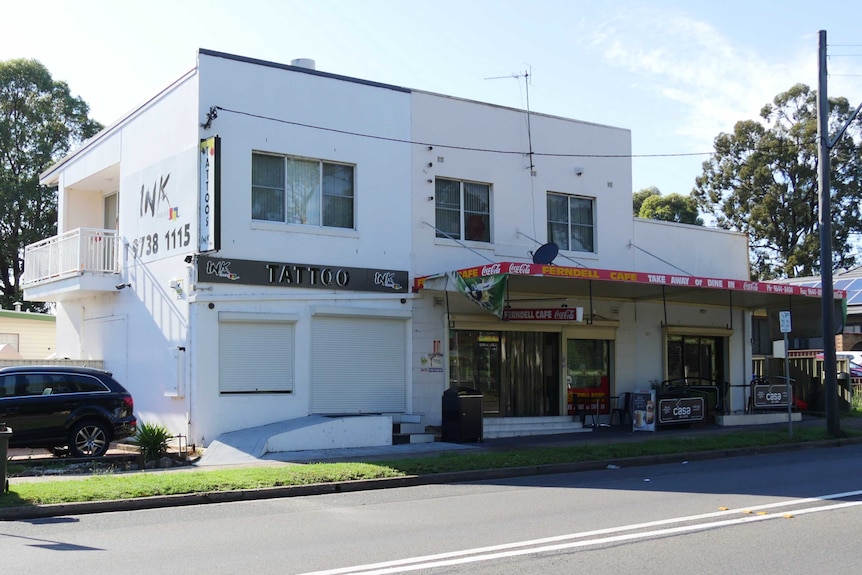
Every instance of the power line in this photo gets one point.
(528, 153)
(451, 146)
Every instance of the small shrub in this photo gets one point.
(152, 439)
(856, 403)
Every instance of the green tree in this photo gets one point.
(40, 121)
(638, 198)
(671, 208)
(762, 180)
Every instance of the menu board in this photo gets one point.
(768, 396)
(680, 410)
(643, 410)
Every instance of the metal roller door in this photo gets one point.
(359, 365)
(256, 356)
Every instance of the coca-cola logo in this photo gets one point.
(491, 270)
(565, 314)
(523, 269)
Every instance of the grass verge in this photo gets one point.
(112, 486)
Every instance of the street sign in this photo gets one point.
(784, 321)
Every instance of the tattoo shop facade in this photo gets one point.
(235, 271)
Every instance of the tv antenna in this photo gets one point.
(526, 74)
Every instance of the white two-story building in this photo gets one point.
(261, 243)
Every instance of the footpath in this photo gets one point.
(596, 436)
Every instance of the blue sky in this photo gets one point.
(676, 73)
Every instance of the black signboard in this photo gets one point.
(318, 276)
(680, 410)
(769, 396)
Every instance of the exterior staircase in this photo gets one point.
(408, 428)
(496, 427)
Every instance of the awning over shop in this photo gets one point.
(485, 283)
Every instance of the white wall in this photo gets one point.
(382, 187)
(698, 250)
(519, 199)
(84, 178)
(382, 207)
(135, 330)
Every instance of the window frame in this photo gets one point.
(571, 226)
(322, 196)
(463, 212)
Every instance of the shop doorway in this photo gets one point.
(517, 372)
(695, 357)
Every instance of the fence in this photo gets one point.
(71, 253)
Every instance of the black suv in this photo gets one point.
(54, 407)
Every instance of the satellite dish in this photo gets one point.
(546, 254)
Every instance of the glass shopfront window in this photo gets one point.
(517, 372)
(694, 357)
(474, 361)
(588, 375)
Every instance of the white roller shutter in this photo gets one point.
(359, 365)
(255, 356)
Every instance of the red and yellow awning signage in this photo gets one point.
(662, 279)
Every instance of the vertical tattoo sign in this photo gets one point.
(210, 191)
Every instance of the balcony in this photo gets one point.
(78, 263)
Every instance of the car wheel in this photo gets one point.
(89, 439)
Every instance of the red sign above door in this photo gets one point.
(544, 314)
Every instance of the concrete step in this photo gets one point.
(410, 428)
(496, 427)
(403, 438)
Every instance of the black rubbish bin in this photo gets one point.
(5, 435)
(462, 415)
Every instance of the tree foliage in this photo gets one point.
(40, 121)
(762, 180)
(638, 198)
(671, 208)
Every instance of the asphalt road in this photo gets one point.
(794, 512)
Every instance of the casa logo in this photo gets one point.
(491, 270)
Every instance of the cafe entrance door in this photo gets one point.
(517, 372)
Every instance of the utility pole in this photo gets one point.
(833, 422)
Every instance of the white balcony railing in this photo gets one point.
(76, 252)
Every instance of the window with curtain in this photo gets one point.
(463, 210)
(571, 222)
(302, 191)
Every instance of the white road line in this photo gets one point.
(542, 545)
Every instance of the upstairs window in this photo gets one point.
(571, 222)
(463, 210)
(302, 191)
